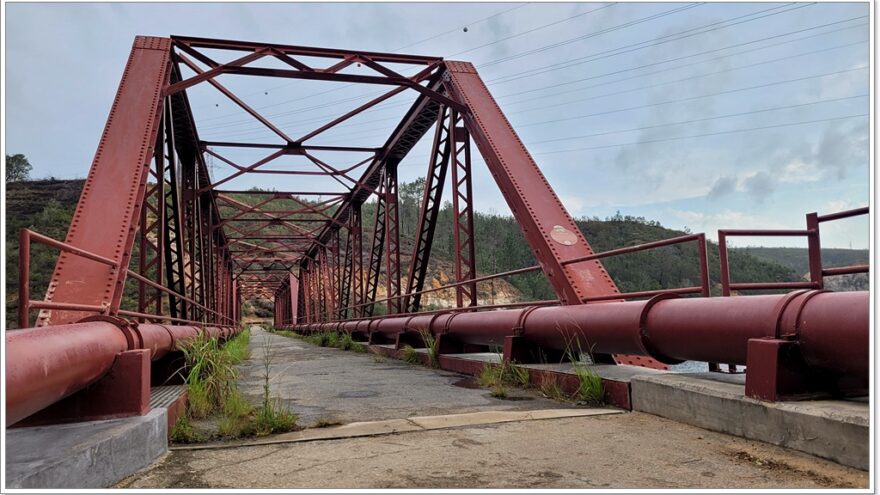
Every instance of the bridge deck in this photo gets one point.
(629, 450)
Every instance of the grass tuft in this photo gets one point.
(498, 391)
(271, 416)
(498, 377)
(184, 432)
(410, 355)
(211, 376)
(345, 342)
(590, 387)
(551, 389)
(431, 345)
(237, 347)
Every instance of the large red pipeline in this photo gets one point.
(47, 364)
(832, 328)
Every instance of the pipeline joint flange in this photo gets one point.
(649, 346)
(129, 329)
(779, 312)
(519, 329)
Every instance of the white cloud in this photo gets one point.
(798, 170)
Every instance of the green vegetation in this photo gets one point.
(431, 346)
(213, 393)
(797, 259)
(498, 377)
(210, 377)
(590, 388)
(18, 168)
(240, 419)
(347, 343)
(183, 431)
(47, 207)
(271, 416)
(551, 388)
(343, 341)
(410, 355)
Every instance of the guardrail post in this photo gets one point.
(814, 250)
(725, 268)
(24, 290)
(704, 265)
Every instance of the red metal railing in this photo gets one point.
(814, 253)
(26, 304)
(702, 289)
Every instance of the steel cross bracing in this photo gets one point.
(156, 239)
(200, 244)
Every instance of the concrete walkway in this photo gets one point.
(628, 450)
(321, 383)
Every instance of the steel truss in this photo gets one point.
(208, 245)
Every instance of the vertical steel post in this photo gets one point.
(704, 266)
(378, 245)
(392, 240)
(429, 211)
(814, 250)
(462, 213)
(725, 266)
(357, 261)
(24, 289)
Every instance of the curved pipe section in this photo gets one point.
(47, 364)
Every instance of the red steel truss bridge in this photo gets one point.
(152, 223)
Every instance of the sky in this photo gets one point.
(699, 116)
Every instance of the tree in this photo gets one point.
(17, 168)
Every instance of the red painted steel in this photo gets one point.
(205, 250)
(48, 364)
(106, 216)
(814, 253)
(462, 212)
(832, 329)
(549, 229)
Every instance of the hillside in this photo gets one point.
(47, 206)
(797, 259)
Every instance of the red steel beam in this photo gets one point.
(106, 217)
(549, 229)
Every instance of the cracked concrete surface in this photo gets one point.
(631, 450)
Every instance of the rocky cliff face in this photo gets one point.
(441, 273)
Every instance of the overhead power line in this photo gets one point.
(251, 123)
(688, 33)
(478, 21)
(258, 127)
(703, 119)
(679, 100)
(706, 134)
(615, 28)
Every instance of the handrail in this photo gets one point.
(703, 288)
(25, 303)
(814, 253)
